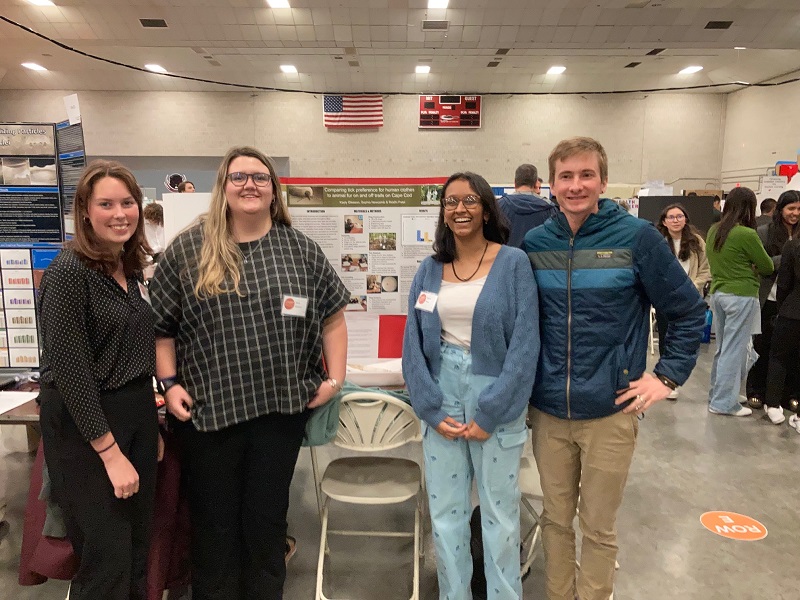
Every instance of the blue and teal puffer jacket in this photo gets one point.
(595, 292)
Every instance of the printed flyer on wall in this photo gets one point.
(375, 232)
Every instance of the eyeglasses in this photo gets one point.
(675, 218)
(451, 202)
(239, 179)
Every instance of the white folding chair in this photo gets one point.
(531, 489)
(372, 422)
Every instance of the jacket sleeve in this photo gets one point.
(703, 274)
(675, 297)
(758, 255)
(508, 395)
(786, 274)
(424, 392)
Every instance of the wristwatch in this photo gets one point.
(166, 383)
(667, 381)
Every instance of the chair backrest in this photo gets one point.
(372, 421)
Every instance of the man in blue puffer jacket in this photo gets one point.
(598, 270)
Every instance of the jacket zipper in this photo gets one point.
(569, 323)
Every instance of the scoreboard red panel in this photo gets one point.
(439, 112)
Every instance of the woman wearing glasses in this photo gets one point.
(247, 307)
(688, 246)
(469, 360)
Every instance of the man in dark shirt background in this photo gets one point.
(525, 209)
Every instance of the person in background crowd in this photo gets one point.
(598, 270)
(717, 207)
(736, 257)
(785, 225)
(186, 187)
(98, 410)
(247, 307)
(524, 209)
(767, 207)
(537, 189)
(469, 361)
(688, 245)
(154, 228)
(786, 339)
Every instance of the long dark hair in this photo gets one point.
(86, 244)
(740, 209)
(494, 230)
(689, 241)
(777, 234)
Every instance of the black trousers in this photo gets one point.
(110, 536)
(757, 376)
(238, 480)
(783, 358)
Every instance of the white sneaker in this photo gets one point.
(742, 412)
(673, 395)
(775, 414)
(794, 421)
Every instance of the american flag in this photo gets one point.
(353, 111)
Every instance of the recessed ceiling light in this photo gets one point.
(437, 3)
(41, 2)
(155, 68)
(690, 70)
(278, 3)
(288, 68)
(423, 69)
(33, 67)
(556, 70)
(739, 48)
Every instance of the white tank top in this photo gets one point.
(456, 306)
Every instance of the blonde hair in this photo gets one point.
(578, 145)
(219, 269)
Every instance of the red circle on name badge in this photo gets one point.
(422, 298)
(288, 304)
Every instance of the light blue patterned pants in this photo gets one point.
(449, 469)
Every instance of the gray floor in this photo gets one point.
(688, 462)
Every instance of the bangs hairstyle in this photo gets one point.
(578, 145)
(219, 269)
(740, 209)
(85, 244)
(786, 198)
(689, 242)
(494, 230)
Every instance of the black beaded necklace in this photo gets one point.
(480, 262)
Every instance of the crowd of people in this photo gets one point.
(531, 312)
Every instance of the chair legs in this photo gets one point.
(531, 538)
(324, 549)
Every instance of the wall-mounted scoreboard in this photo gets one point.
(442, 112)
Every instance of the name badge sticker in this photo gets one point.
(426, 301)
(294, 306)
(145, 294)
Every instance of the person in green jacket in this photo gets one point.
(737, 258)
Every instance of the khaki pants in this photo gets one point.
(591, 457)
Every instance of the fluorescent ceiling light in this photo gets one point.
(33, 67)
(155, 68)
(278, 3)
(41, 2)
(422, 69)
(556, 70)
(288, 68)
(690, 70)
(739, 48)
(437, 3)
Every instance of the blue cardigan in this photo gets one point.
(505, 341)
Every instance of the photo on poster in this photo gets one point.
(16, 171)
(431, 194)
(43, 171)
(373, 284)
(357, 303)
(389, 283)
(383, 241)
(354, 224)
(305, 195)
(352, 263)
